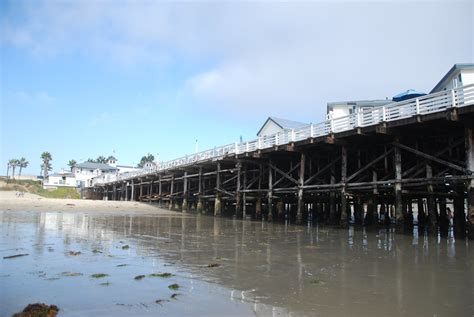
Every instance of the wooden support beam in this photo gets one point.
(344, 216)
(141, 187)
(399, 215)
(160, 188)
(332, 197)
(217, 201)
(171, 193)
(132, 194)
(199, 206)
(238, 202)
(244, 194)
(469, 137)
(374, 180)
(382, 129)
(459, 220)
(282, 173)
(368, 165)
(184, 206)
(433, 158)
(299, 212)
(270, 192)
(323, 170)
(289, 173)
(258, 203)
(419, 167)
(431, 203)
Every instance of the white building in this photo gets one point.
(112, 161)
(458, 75)
(86, 171)
(274, 125)
(60, 179)
(344, 108)
(151, 166)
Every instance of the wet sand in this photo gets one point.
(9, 202)
(264, 269)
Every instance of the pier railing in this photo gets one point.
(431, 103)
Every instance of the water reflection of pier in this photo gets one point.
(291, 269)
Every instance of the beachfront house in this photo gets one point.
(274, 125)
(86, 171)
(60, 179)
(458, 75)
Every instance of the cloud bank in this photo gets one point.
(259, 58)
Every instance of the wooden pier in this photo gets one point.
(381, 166)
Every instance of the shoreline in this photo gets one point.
(33, 202)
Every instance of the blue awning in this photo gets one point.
(409, 94)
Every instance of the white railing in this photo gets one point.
(458, 97)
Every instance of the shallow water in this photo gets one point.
(264, 269)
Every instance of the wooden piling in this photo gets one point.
(399, 215)
(344, 218)
(469, 144)
(299, 212)
(238, 202)
(217, 202)
(199, 206)
(430, 200)
(244, 195)
(332, 198)
(184, 206)
(270, 193)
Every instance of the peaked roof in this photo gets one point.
(285, 124)
(453, 69)
(95, 166)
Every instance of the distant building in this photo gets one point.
(126, 168)
(60, 179)
(458, 75)
(274, 125)
(344, 108)
(150, 166)
(86, 171)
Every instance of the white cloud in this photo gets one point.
(267, 57)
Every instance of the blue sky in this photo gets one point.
(84, 78)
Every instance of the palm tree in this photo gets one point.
(13, 163)
(46, 157)
(23, 164)
(72, 164)
(147, 158)
(101, 159)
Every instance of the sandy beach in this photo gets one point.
(32, 202)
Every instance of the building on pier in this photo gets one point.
(337, 109)
(277, 125)
(459, 75)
